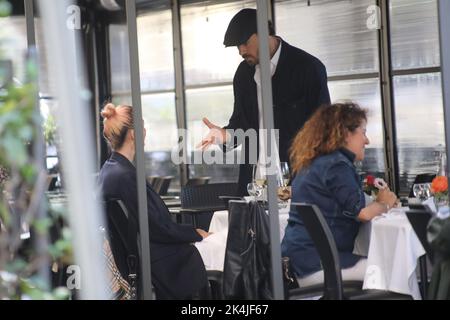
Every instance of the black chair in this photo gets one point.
(122, 230)
(153, 180)
(52, 179)
(201, 201)
(125, 245)
(419, 219)
(215, 279)
(323, 239)
(198, 181)
(161, 184)
(421, 178)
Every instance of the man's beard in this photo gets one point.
(251, 61)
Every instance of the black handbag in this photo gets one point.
(247, 266)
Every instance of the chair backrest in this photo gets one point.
(153, 180)
(207, 195)
(419, 220)
(421, 178)
(198, 181)
(117, 217)
(51, 182)
(324, 242)
(163, 185)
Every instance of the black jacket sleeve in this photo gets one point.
(324, 95)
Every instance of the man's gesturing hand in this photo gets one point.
(216, 135)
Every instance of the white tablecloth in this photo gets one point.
(392, 254)
(212, 248)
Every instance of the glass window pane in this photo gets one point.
(120, 58)
(216, 104)
(159, 115)
(420, 124)
(367, 94)
(334, 31)
(158, 111)
(203, 26)
(13, 45)
(414, 33)
(156, 51)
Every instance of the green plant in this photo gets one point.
(50, 130)
(22, 195)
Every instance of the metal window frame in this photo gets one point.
(387, 99)
(444, 43)
(180, 92)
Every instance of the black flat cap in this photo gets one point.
(241, 27)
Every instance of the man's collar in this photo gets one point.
(276, 56)
(273, 63)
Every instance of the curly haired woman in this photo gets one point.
(322, 157)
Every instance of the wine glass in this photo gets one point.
(285, 173)
(259, 175)
(259, 179)
(422, 191)
(254, 190)
(283, 182)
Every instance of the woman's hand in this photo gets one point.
(284, 193)
(203, 233)
(387, 197)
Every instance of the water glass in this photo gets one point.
(254, 190)
(422, 191)
(285, 174)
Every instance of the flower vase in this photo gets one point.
(373, 195)
(441, 200)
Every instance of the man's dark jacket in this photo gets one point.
(299, 87)
(177, 268)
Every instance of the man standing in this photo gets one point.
(299, 87)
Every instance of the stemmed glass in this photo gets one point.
(254, 190)
(283, 182)
(285, 173)
(422, 191)
(259, 182)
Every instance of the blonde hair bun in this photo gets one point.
(109, 111)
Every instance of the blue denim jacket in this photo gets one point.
(332, 183)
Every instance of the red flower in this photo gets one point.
(369, 185)
(439, 184)
(370, 180)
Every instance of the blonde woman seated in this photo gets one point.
(322, 158)
(177, 268)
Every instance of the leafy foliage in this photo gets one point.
(23, 194)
